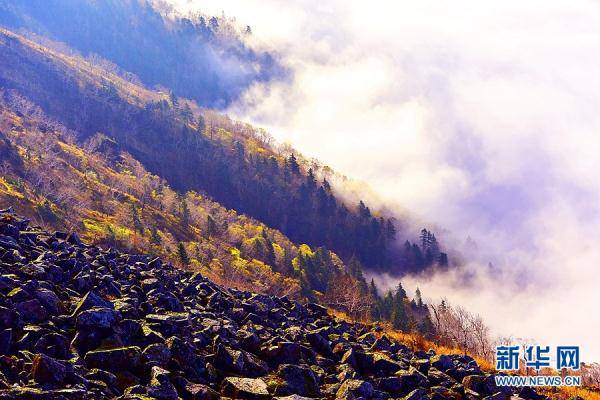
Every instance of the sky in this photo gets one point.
(479, 118)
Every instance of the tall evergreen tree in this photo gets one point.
(135, 219)
(182, 254)
(376, 303)
(418, 298)
(399, 317)
(211, 226)
(184, 211)
(293, 164)
(425, 327)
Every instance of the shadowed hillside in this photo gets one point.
(194, 149)
(205, 59)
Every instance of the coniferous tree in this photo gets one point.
(390, 230)
(293, 164)
(201, 124)
(211, 226)
(173, 99)
(425, 238)
(443, 260)
(388, 305)
(399, 318)
(182, 254)
(376, 303)
(418, 298)
(425, 327)
(270, 256)
(135, 219)
(400, 292)
(184, 211)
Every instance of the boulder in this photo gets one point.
(245, 388)
(298, 380)
(97, 318)
(47, 370)
(114, 360)
(353, 389)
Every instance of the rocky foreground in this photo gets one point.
(80, 322)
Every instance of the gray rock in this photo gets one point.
(245, 388)
(46, 369)
(354, 389)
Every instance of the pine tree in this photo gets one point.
(388, 305)
(418, 298)
(355, 268)
(183, 255)
(443, 260)
(400, 292)
(201, 124)
(425, 327)
(211, 226)
(173, 99)
(390, 230)
(270, 256)
(184, 211)
(310, 179)
(425, 237)
(376, 311)
(135, 219)
(293, 164)
(399, 317)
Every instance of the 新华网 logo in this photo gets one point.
(508, 358)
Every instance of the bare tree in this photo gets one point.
(458, 327)
(591, 375)
(344, 293)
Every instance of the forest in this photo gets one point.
(148, 171)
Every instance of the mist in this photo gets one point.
(478, 117)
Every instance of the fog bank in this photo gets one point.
(480, 117)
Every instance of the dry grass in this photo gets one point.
(416, 341)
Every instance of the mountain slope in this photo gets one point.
(80, 322)
(108, 197)
(199, 150)
(205, 59)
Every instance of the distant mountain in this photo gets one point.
(205, 59)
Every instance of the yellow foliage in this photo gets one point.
(236, 233)
(94, 227)
(305, 250)
(279, 252)
(296, 265)
(235, 253)
(7, 189)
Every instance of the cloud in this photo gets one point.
(480, 117)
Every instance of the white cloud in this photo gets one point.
(479, 116)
